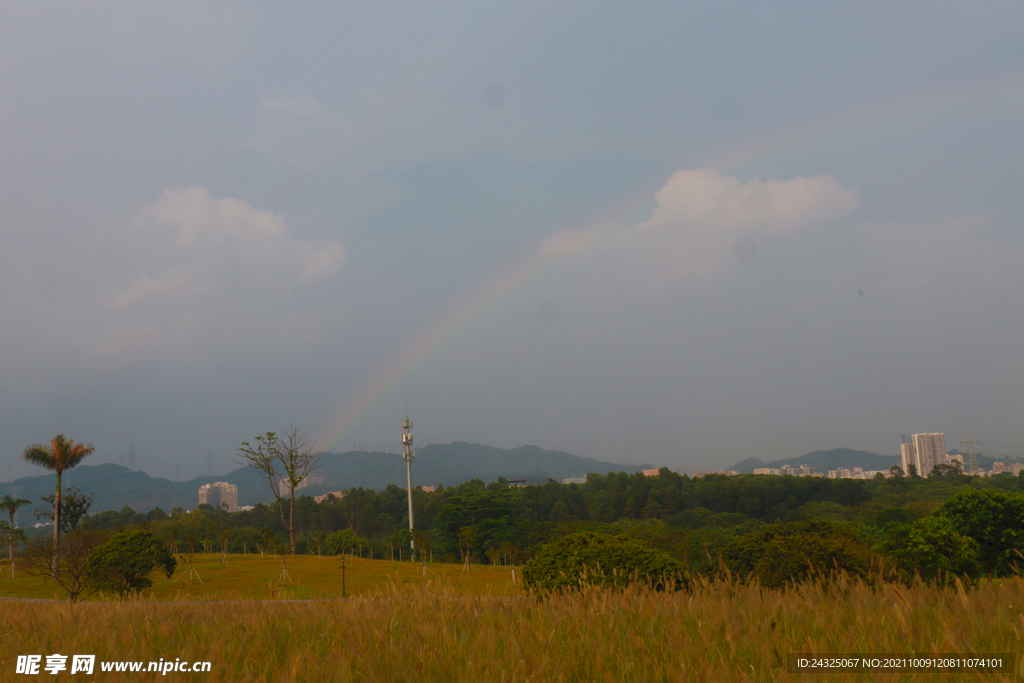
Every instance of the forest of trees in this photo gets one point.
(694, 520)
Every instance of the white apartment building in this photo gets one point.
(929, 451)
(219, 492)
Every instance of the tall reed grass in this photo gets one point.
(719, 631)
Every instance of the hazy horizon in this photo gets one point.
(683, 234)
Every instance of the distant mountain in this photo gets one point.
(116, 486)
(823, 461)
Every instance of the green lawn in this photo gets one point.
(254, 577)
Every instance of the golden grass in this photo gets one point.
(257, 577)
(436, 632)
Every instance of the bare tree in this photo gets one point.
(285, 461)
(68, 565)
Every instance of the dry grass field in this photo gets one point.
(410, 629)
(257, 577)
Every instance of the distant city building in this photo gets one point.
(951, 458)
(652, 473)
(336, 494)
(787, 470)
(908, 456)
(700, 473)
(219, 493)
(311, 480)
(1013, 468)
(428, 489)
(515, 483)
(800, 471)
(856, 473)
(575, 480)
(929, 451)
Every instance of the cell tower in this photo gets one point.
(408, 453)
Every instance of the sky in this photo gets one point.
(673, 233)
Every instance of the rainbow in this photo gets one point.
(434, 337)
(990, 97)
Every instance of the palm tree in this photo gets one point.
(62, 454)
(11, 505)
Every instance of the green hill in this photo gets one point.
(823, 461)
(449, 464)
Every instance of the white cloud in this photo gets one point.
(213, 258)
(702, 215)
(146, 287)
(704, 219)
(211, 235)
(718, 203)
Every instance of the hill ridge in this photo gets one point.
(449, 464)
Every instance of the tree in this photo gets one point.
(491, 514)
(285, 462)
(67, 565)
(341, 542)
(10, 505)
(62, 454)
(266, 536)
(224, 534)
(125, 562)
(74, 505)
(995, 519)
(931, 548)
(11, 537)
(467, 539)
(316, 541)
(780, 554)
(944, 471)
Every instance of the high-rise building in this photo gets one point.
(219, 492)
(908, 455)
(929, 451)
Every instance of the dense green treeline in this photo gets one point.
(694, 520)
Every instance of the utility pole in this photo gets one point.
(972, 457)
(408, 453)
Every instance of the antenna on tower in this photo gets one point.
(408, 454)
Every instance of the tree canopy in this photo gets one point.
(123, 563)
(588, 558)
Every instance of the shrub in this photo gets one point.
(781, 554)
(124, 563)
(588, 558)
